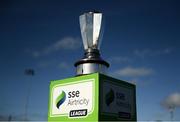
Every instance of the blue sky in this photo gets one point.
(141, 42)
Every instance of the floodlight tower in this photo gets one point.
(91, 32)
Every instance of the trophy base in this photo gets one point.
(94, 97)
(91, 63)
(88, 68)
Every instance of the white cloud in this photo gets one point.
(47, 63)
(167, 50)
(172, 101)
(142, 53)
(35, 53)
(66, 43)
(150, 52)
(134, 72)
(119, 59)
(54, 63)
(64, 65)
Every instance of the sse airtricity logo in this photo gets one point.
(60, 99)
(71, 99)
(109, 97)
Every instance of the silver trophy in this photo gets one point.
(91, 32)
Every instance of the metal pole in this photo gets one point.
(172, 115)
(28, 72)
(171, 110)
